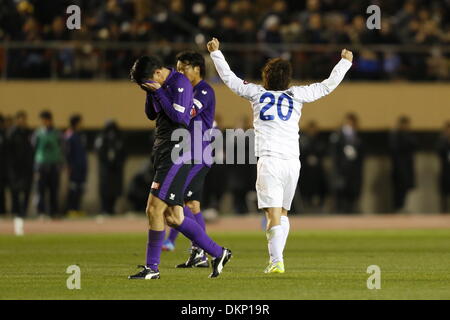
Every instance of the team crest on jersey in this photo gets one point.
(155, 185)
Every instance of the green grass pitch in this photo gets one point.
(415, 264)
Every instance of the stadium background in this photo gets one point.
(402, 69)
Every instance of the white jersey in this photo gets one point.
(276, 114)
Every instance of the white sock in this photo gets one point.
(286, 226)
(275, 238)
(18, 226)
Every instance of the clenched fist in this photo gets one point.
(346, 54)
(213, 45)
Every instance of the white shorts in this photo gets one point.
(276, 182)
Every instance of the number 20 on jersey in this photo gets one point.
(271, 102)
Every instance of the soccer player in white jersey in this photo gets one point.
(276, 114)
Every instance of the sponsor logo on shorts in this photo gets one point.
(189, 193)
(172, 196)
(155, 185)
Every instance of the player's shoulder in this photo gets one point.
(254, 90)
(297, 91)
(179, 78)
(253, 85)
(205, 88)
(289, 91)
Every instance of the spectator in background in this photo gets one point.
(347, 154)
(137, 193)
(314, 31)
(164, 22)
(438, 65)
(368, 66)
(443, 148)
(8, 124)
(3, 165)
(312, 7)
(402, 145)
(77, 164)
(111, 158)
(48, 160)
(242, 177)
(313, 186)
(86, 61)
(20, 169)
(214, 191)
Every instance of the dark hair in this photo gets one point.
(74, 120)
(21, 114)
(193, 59)
(276, 74)
(404, 120)
(352, 117)
(46, 115)
(312, 124)
(144, 68)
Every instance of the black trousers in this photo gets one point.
(215, 186)
(445, 201)
(346, 201)
(2, 197)
(399, 196)
(108, 202)
(48, 185)
(21, 197)
(74, 195)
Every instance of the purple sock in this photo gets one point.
(154, 245)
(173, 234)
(193, 231)
(188, 214)
(199, 218)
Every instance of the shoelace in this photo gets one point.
(144, 268)
(194, 253)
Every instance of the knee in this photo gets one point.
(194, 206)
(152, 212)
(173, 221)
(149, 210)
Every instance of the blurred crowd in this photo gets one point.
(272, 24)
(37, 159)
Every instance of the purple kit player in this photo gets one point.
(169, 102)
(192, 65)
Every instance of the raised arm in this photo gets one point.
(316, 91)
(237, 85)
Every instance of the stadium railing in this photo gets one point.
(248, 56)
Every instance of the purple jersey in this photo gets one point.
(170, 105)
(202, 116)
